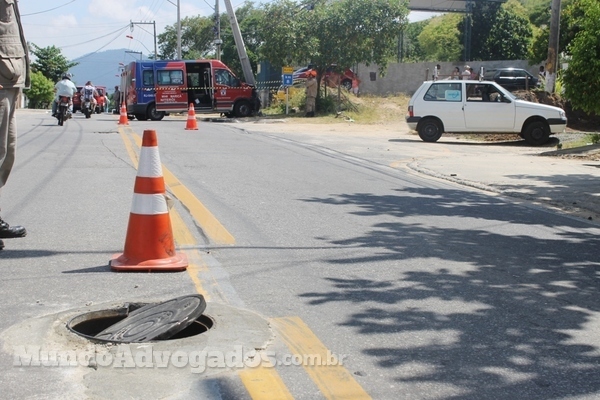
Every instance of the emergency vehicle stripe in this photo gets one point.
(152, 168)
(149, 204)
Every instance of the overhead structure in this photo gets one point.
(458, 6)
(454, 6)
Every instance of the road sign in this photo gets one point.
(287, 79)
(287, 70)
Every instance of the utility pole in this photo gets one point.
(239, 44)
(552, 61)
(218, 41)
(178, 31)
(153, 23)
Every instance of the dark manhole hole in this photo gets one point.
(140, 322)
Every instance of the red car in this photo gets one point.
(100, 99)
(331, 77)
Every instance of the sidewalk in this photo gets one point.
(571, 185)
(566, 180)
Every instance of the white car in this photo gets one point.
(457, 106)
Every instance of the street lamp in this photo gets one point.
(132, 38)
(178, 28)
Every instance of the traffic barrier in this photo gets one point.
(149, 243)
(191, 124)
(123, 116)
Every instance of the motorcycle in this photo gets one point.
(63, 112)
(86, 108)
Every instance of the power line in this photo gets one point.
(115, 38)
(51, 9)
(93, 40)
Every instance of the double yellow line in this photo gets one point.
(263, 382)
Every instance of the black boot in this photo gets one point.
(8, 232)
(1, 244)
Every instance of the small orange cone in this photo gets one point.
(149, 244)
(123, 116)
(191, 124)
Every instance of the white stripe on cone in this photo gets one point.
(151, 167)
(149, 204)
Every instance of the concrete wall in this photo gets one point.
(406, 78)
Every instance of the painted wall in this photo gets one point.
(406, 78)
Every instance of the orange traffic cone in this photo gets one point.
(191, 124)
(123, 116)
(149, 244)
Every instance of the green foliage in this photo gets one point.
(571, 13)
(41, 93)
(50, 62)
(196, 39)
(582, 78)
(509, 36)
(343, 32)
(440, 39)
(250, 21)
(410, 46)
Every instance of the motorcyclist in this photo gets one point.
(89, 93)
(64, 87)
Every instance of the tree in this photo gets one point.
(440, 39)
(341, 33)
(411, 48)
(571, 13)
(509, 37)
(482, 19)
(582, 78)
(197, 36)
(50, 62)
(42, 91)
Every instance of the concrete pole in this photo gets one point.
(178, 31)
(552, 61)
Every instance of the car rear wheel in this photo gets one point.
(347, 84)
(430, 130)
(536, 133)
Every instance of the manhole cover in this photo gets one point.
(155, 321)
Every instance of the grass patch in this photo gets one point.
(366, 109)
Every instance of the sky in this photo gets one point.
(80, 27)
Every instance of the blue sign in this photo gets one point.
(287, 79)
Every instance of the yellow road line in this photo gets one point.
(334, 381)
(264, 383)
(181, 233)
(209, 223)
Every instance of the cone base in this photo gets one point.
(120, 262)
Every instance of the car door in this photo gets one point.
(444, 99)
(487, 109)
(171, 86)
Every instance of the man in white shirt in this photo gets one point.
(64, 87)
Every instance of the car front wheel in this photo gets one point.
(430, 130)
(536, 133)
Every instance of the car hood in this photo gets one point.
(537, 106)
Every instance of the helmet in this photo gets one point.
(66, 75)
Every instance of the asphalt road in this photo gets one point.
(304, 246)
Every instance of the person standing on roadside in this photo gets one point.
(311, 93)
(117, 100)
(14, 76)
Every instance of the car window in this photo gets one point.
(484, 93)
(148, 78)
(170, 77)
(444, 92)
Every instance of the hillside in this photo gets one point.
(102, 68)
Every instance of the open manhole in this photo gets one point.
(144, 322)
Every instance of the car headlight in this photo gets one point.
(562, 114)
